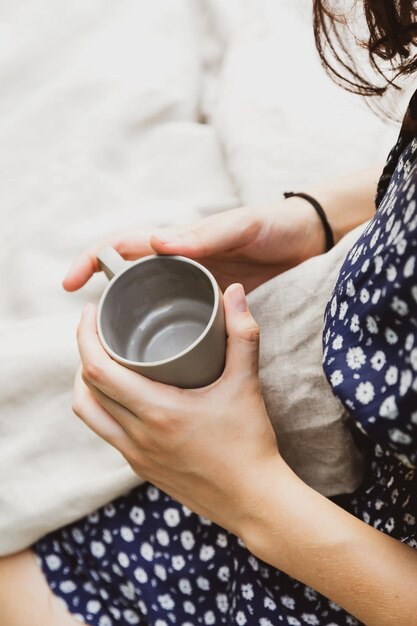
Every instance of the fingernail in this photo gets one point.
(167, 236)
(238, 298)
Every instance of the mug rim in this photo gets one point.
(175, 357)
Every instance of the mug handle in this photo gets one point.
(110, 261)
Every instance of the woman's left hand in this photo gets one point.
(212, 449)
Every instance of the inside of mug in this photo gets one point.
(156, 309)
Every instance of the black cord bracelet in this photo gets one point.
(320, 212)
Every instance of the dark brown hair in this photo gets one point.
(388, 41)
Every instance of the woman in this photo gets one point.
(301, 558)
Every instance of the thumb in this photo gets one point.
(243, 334)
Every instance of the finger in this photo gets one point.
(127, 420)
(135, 392)
(242, 355)
(219, 233)
(130, 246)
(95, 416)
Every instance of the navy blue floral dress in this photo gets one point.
(146, 559)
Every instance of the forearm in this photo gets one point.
(307, 536)
(350, 200)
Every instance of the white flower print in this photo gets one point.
(166, 601)
(206, 553)
(152, 493)
(171, 517)
(364, 296)
(160, 571)
(337, 342)
(310, 618)
(98, 549)
(67, 586)
(178, 562)
(399, 306)
(371, 325)
(105, 621)
(162, 622)
(241, 619)
(247, 591)
(333, 307)
(409, 267)
(221, 540)
(378, 261)
(409, 519)
(254, 563)
(123, 559)
(389, 408)
(127, 534)
(209, 618)
(413, 359)
(288, 602)
(365, 392)
(391, 273)
(78, 535)
(391, 376)
(224, 573)
(109, 510)
(89, 587)
(375, 238)
(187, 540)
(203, 583)
(53, 562)
(222, 602)
(269, 604)
(342, 310)
(365, 266)
(409, 342)
(185, 586)
(398, 436)
(140, 575)
(354, 323)
(350, 288)
(189, 607)
(264, 621)
(405, 381)
(401, 244)
(389, 524)
(310, 594)
(107, 536)
(355, 358)
(336, 378)
(131, 616)
(378, 360)
(391, 336)
(375, 296)
(357, 254)
(93, 606)
(293, 621)
(137, 515)
(162, 537)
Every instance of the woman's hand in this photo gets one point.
(213, 449)
(243, 245)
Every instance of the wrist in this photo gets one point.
(273, 499)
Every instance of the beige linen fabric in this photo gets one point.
(311, 424)
(54, 470)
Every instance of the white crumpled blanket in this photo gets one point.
(134, 113)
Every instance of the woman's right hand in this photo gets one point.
(243, 245)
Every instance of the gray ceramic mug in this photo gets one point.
(162, 316)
